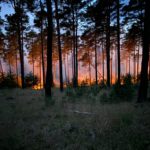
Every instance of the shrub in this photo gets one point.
(102, 84)
(94, 89)
(31, 80)
(69, 91)
(8, 81)
(122, 92)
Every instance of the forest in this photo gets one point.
(75, 74)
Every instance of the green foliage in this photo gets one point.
(8, 81)
(94, 89)
(119, 93)
(31, 80)
(69, 91)
(102, 84)
(122, 92)
(104, 97)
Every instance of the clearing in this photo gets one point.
(28, 122)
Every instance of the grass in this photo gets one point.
(72, 122)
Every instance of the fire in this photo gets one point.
(39, 86)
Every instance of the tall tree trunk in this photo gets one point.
(49, 80)
(59, 47)
(116, 65)
(42, 46)
(111, 70)
(89, 67)
(72, 62)
(10, 72)
(149, 66)
(21, 54)
(142, 94)
(65, 68)
(76, 45)
(17, 69)
(134, 63)
(103, 61)
(108, 44)
(138, 56)
(68, 70)
(96, 80)
(118, 39)
(1, 66)
(129, 65)
(40, 72)
(74, 51)
(126, 65)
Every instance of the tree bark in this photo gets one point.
(49, 80)
(42, 47)
(118, 39)
(59, 47)
(142, 94)
(108, 44)
(96, 80)
(103, 61)
(1, 66)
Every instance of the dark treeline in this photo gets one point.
(99, 35)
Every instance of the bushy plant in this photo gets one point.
(123, 92)
(8, 81)
(102, 84)
(84, 83)
(69, 91)
(94, 89)
(31, 80)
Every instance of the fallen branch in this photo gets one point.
(82, 112)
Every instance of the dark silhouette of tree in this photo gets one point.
(40, 22)
(1, 46)
(49, 76)
(118, 38)
(59, 45)
(20, 8)
(142, 94)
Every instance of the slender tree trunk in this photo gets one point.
(21, 54)
(96, 80)
(134, 63)
(149, 66)
(142, 94)
(68, 69)
(118, 39)
(1, 66)
(111, 70)
(17, 69)
(108, 45)
(65, 68)
(89, 67)
(126, 65)
(59, 46)
(74, 52)
(72, 61)
(116, 65)
(49, 80)
(103, 61)
(90, 73)
(42, 46)
(10, 72)
(138, 56)
(76, 45)
(129, 64)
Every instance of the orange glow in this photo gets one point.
(37, 87)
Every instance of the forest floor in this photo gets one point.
(29, 122)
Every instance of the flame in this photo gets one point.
(39, 86)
